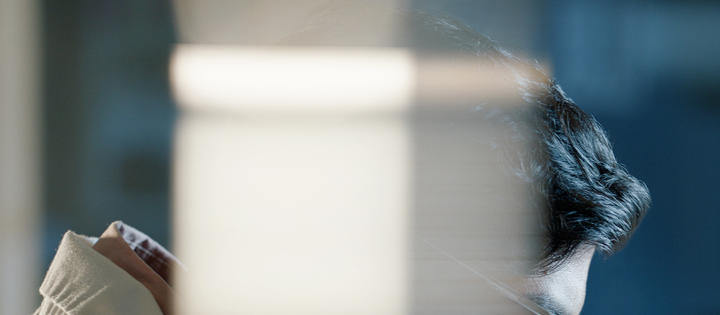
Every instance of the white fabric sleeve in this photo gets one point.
(81, 281)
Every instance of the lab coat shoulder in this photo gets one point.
(82, 281)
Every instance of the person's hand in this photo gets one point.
(141, 257)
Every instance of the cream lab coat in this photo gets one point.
(82, 281)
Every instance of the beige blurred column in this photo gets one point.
(19, 156)
(289, 217)
(291, 164)
(291, 188)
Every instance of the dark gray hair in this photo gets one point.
(586, 196)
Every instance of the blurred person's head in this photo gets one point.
(588, 200)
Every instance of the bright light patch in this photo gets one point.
(292, 217)
(273, 80)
